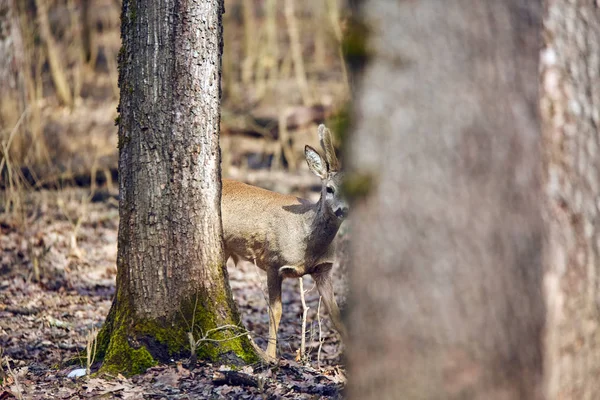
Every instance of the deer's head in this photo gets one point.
(328, 170)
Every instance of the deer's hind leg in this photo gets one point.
(274, 281)
(325, 286)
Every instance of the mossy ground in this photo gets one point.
(130, 347)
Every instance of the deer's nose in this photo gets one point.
(341, 212)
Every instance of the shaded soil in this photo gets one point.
(57, 271)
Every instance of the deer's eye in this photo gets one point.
(330, 190)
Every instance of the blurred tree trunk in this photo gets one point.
(447, 271)
(57, 70)
(171, 277)
(318, 11)
(250, 33)
(571, 115)
(13, 100)
(88, 34)
(296, 51)
(272, 58)
(333, 9)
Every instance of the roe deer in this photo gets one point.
(286, 236)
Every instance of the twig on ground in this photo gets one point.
(205, 337)
(234, 378)
(192, 340)
(304, 314)
(18, 390)
(321, 340)
(90, 347)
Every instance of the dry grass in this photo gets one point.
(66, 127)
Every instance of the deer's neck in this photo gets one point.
(324, 225)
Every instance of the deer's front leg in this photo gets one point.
(274, 285)
(325, 287)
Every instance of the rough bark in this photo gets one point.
(446, 281)
(171, 273)
(571, 116)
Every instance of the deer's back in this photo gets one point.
(265, 226)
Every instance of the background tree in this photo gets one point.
(55, 61)
(13, 103)
(447, 268)
(571, 115)
(171, 279)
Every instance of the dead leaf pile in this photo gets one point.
(57, 283)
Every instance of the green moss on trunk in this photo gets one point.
(103, 337)
(130, 347)
(119, 349)
(122, 357)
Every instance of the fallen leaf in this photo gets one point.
(170, 378)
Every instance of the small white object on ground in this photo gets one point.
(76, 373)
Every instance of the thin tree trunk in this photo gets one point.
(171, 279)
(296, 51)
(249, 41)
(334, 16)
(12, 83)
(88, 34)
(319, 17)
(272, 41)
(13, 98)
(571, 115)
(57, 70)
(447, 271)
(76, 49)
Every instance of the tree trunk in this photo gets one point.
(571, 115)
(171, 279)
(13, 101)
(88, 34)
(296, 50)
(272, 42)
(250, 32)
(57, 70)
(447, 272)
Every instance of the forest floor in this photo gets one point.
(57, 279)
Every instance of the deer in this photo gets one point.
(287, 236)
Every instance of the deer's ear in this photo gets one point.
(327, 144)
(315, 162)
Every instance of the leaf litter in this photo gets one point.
(56, 286)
